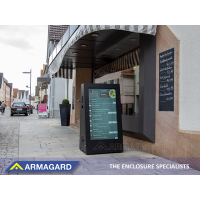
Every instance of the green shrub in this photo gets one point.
(65, 101)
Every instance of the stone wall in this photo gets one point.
(171, 143)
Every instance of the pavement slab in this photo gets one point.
(100, 160)
(33, 139)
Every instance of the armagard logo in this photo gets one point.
(100, 146)
(25, 166)
(113, 146)
(16, 166)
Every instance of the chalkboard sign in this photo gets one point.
(73, 98)
(166, 80)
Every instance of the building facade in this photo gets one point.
(135, 57)
(53, 89)
(6, 91)
(1, 87)
(16, 95)
(22, 96)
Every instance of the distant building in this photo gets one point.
(6, 91)
(15, 95)
(56, 87)
(22, 96)
(36, 100)
(1, 87)
(32, 100)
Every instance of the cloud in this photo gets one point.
(22, 48)
(17, 42)
(20, 36)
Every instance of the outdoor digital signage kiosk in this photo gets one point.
(100, 122)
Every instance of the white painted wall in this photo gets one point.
(60, 93)
(189, 37)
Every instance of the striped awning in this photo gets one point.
(83, 30)
(127, 61)
(64, 73)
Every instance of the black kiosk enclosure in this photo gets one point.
(100, 122)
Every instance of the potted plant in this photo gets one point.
(65, 112)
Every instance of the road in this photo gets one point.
(28, 138)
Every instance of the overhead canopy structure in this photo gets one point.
(43, 81)
(110, 48)
(95, 45)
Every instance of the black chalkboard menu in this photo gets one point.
(73, 98)
(166, 80)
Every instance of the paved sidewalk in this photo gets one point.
(31, 139)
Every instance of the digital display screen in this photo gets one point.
(103, 114)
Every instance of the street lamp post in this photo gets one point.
(30, 83)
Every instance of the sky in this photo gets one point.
(22, 48)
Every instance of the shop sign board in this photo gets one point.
(100, 122)
(166, 80)
(42, 110)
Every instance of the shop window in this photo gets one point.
(110, 81)
(129, 89)
(127, 109)
(137, 79)
(116, 81)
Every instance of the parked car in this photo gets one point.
(30, 107)
(19, 108)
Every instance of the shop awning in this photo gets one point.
(59, 57)
(64, 72)
(43, 81)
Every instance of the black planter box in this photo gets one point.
(65, 114)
